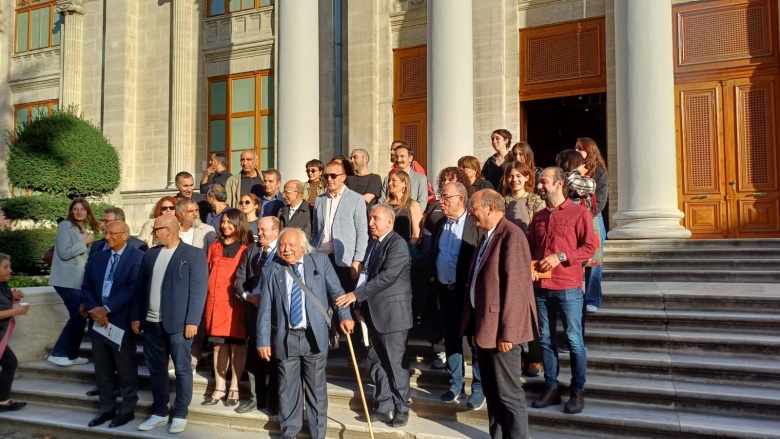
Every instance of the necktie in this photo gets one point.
(292, 212)
(264, 256)
(296, 301)
(114, 263)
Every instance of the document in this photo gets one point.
(113, 333)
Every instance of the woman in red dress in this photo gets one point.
(224, 314)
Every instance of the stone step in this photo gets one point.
(597, 420)
(689, 275)
(687, 342)
(697, 244)
(737, 322)
(617, 254)
(763, 298)
(695, 266)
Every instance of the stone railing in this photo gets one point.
(238, 28)
(35, 64)
(39, 329)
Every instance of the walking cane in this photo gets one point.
(360, 385)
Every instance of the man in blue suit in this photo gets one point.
(292, 329)
(170, 302)
(108, 290)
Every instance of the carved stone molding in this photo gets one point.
(70, 7)
(237, 29)
(402, 6)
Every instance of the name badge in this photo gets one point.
(107, 289)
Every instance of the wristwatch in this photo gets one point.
(561, 257)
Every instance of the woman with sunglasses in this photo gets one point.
(315, 185)
(249, 205)
(164, 206)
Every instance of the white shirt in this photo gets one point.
(326, 246)
(480, 256)
(187, 236)
(155, 289)
(290, 283)
(293, 210)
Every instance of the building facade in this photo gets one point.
(681, 96)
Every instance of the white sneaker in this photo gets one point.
(177, 425)
(80, 360)
(152, 422)
(440, 362)
(591, 308)
(60, 361)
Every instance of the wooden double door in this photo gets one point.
(728, 152)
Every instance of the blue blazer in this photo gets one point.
(124, 289)
(350, 227)
(183, 288)
(273, 317)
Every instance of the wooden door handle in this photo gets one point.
(759, 194)
(701, 197)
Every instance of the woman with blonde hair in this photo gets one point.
(67, 271)
(164, 206)
(408, 213)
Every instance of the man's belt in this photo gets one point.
(450, 287)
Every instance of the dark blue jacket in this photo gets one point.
(124, 289)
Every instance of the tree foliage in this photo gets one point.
(43, 208)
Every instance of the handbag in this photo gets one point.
(48, 256)
(327, 314)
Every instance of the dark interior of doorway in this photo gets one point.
(555, 124)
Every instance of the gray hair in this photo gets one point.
(4, 257)
(221, 157)
(273, 172)
(491, 198)
(388, 210)
(559, 175)
(218, 192)
(460, 189)
(307, 248)
(181, 206)
(119, 214)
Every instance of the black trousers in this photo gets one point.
(506, 406)
(389, 368)
(257, 369)
(107, 361)
(8, 366)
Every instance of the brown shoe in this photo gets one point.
(551, 396)
(576, 402)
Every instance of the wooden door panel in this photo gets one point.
(700, 141)
(411, 127)
(756, 194)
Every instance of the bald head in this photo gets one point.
(166, 230)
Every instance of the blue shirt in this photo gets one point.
(290, 282)
(273, 206)
(449, 249)
(108, 267)
(215, 219)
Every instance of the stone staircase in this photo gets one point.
(685, 260)
(665, 360)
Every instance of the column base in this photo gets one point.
(649, 224)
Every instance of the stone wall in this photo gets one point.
(41, 327)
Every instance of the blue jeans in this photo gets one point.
(67, 344)
(451, 305)
(593, 291)
(568, 303)
(158, 344)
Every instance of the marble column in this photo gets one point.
(646, 141)
(184, 87)
(450, 84)
(70, 51)
(298, 73)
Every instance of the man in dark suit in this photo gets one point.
(454, 239)
(384, 299)
(108, 290)
(248, 274)
(115, 214)
(185, 183)
(293, 329)
(170, 302)
(297, 212)
(499, 312)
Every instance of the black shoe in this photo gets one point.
(121, 420)
(12, 406)
(101, 419)
(247, 407)
(93, 392)
(551, 396)
(379, 417)
(400, 419)
(576, 402)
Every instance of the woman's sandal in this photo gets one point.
(232, 398)
(212, 400)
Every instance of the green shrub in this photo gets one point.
(26, 248)
(26, 281)
(43, 208)
(62, 155)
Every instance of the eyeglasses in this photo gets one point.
(290, 192)
(115, 233)
(331, 176)
(245, 202)
(164, 208)
(447, 197)
(157, 229)
(312, 171)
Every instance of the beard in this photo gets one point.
(196, 222)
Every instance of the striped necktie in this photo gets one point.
(296, 301)
(114, 263)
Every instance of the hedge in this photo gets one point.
(44, 208)
(64, 155)
(26, 248)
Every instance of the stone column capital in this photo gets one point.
(68, 7)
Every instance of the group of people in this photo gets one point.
(270, 274)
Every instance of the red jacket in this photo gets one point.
(224, 313)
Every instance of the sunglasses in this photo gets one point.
(171, 208)
(157, 229)
(331, 176)
(245, 202)
(311, 171)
